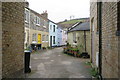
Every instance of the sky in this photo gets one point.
(59, 10)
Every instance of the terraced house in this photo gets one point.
(36, 29)
(52, 34)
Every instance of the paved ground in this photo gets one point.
(54, 64)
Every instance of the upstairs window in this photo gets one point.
(26, 15)
(37, 21)
(53, 28)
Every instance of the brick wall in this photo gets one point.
(109, 40)
(12, 38)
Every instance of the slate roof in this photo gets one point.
(81, 27)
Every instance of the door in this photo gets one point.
(39, 38)
(50, 41)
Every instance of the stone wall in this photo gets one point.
(80, 40)
(94, 32)
(12, 38)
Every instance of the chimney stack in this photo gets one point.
(45, 14)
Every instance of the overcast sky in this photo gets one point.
(59, 10)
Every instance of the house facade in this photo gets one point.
(53, 29)
(59, 36)
(36, 30)
(81, 34)
(64, 36)
(105, 38)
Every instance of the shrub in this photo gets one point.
(43, 48)
(94, 72)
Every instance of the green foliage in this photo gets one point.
(88, 63)
(81, 46)
(75, 49)
(49, 47)
(94, 72)
(27, 49)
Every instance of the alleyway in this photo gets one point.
(54, 64)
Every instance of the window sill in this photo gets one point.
(38, 24)
(26, 21)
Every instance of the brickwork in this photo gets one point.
(109, 40)
(110, 47)
(12, 38)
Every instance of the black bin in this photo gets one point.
(27, 61)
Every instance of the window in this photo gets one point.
(37, 20)
(50, 27)
(53, 39)
(34, 37)
(74, 37)
(47, 38)
(26, 15)
(53, 28)
(43, 37)
(25, 36)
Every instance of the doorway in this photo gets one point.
(39, 42)
(50, 41)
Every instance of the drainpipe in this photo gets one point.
(100, 38)
(85, 40)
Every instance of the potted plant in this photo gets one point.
(65, 49)
(78, 54)
(75, 51)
